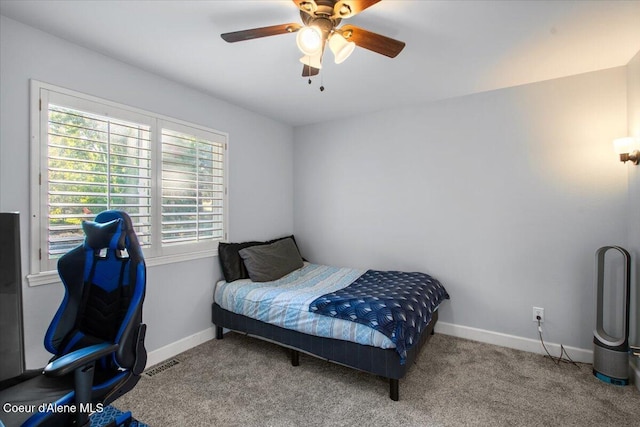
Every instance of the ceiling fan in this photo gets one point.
(321, 19)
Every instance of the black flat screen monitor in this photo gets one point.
(11, 344)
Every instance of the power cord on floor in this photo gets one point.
(556, 360)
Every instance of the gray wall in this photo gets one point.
(260, 182)
(504, 196)
(633, 96)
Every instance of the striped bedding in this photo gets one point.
(285, 303)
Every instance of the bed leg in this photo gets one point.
(394, 389)
(295, 358)
(219, 335)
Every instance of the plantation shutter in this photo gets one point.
(193, 188)
(95, 162)
(90, 154)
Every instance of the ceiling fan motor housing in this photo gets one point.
(324, 24)
(327, 8)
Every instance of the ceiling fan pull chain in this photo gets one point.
(321, 82)
(309, 66)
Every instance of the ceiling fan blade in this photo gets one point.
(372, 41)
(308, 71)
(348, 8)
(255, 33)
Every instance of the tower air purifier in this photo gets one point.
(610, 351)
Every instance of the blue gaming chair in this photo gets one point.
(96, 336)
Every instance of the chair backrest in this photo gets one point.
(104, 281)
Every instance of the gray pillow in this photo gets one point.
(271, 262)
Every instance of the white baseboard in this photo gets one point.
(170, 350)
(511, 341)
(504, 340)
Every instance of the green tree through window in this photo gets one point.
(95, 163)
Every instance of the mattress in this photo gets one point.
(285, 302)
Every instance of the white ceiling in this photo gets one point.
(453, 48)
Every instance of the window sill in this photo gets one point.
(51, 277)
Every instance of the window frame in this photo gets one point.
(42, 270)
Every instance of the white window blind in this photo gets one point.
(192, 187)
(95, 163)
(91, 155)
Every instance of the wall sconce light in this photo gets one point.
(628, 148)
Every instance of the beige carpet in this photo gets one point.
(242, 381)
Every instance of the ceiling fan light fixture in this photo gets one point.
(309, 40)
(313, 61)
(340, 47)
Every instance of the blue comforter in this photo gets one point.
(396, 303)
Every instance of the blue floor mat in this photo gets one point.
(108, 414)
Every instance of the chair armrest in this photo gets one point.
(76, 359)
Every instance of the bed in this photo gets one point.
(373, 321)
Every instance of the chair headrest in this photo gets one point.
(105, 235)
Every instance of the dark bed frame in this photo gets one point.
(374, 360)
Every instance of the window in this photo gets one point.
(91, 155)
(192, 188)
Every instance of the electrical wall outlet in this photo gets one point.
(538, 311)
